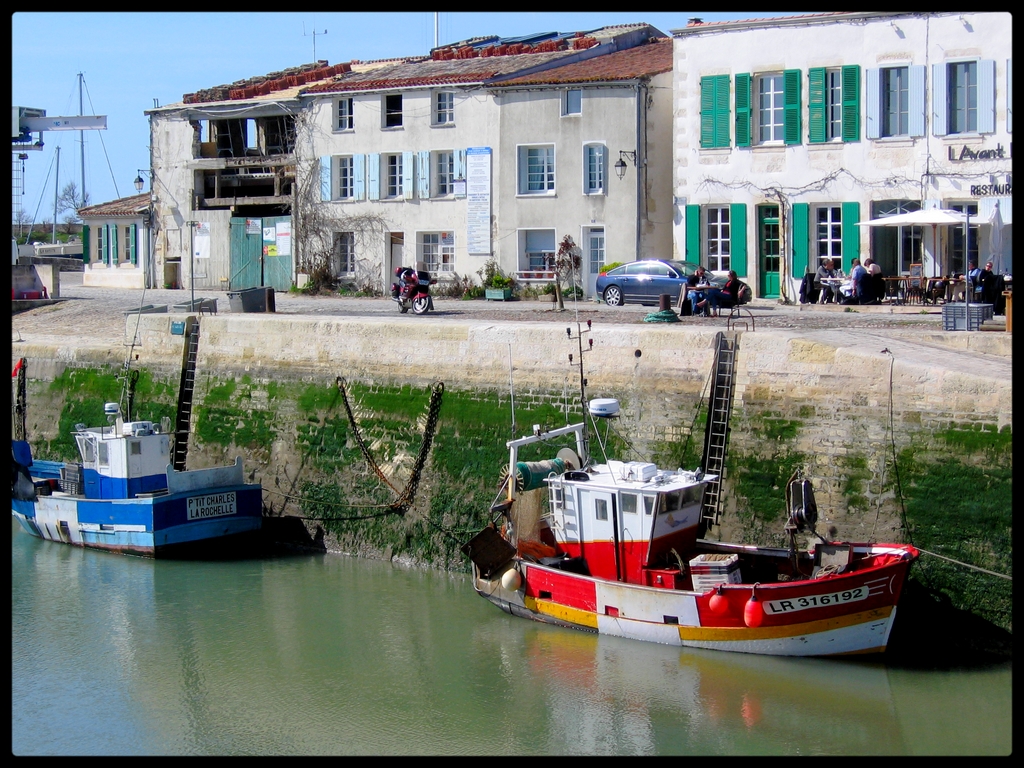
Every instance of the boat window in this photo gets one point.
(135, 447)
(104, 454)
(601, 509)
(629, 503)
(86, 448)
(691, 495)
(670, 502)
(649, 504)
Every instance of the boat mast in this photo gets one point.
(81, 137)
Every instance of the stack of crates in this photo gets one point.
(965, 317)
(708, 571)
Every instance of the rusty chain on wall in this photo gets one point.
(407, 495)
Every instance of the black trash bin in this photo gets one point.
(252, 300)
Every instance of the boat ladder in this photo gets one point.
(716, 432)
(185, 390)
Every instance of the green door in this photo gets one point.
(277, 252)
(769, 249)
(246, 260)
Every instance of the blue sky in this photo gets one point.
(128, 60)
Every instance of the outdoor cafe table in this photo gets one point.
(896, 288)
(833, 283)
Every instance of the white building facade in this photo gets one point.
(117, 244)
(790, 132)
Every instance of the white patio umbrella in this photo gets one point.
(933, 216)
(995, 238)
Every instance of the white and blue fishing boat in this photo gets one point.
(126, 496)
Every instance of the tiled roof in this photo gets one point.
(696, 23)
(645, 60)
(124, 206)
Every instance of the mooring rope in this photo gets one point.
(966, 565)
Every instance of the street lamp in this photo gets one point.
(139, 181)
(620, 164)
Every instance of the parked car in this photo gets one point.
(644, 281)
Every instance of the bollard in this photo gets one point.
(1009, 310)
(664, 302)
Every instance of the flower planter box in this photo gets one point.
(497, 294)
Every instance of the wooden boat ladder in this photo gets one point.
(716, 431)
(185, 390)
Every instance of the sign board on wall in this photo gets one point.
(478, 200)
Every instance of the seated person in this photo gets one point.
(860, 292)
(696, 285)
(827, 291)
(988, 285)
(974, 277)
(727, 296)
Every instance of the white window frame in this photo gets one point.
(437, 255)
(444, 174)
(775, 109)
(828, 233)
(346, 177)
(902, 109)
(542, 169)
(343, 117)
(572, 102)
(595, 168)
(834, 104)
(970, 93)
(717, 238)
(392, 176)
(390, 113)
(444, 108)
(595, 249)
(345, 253)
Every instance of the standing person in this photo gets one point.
(826, 290)
(727, 296)
(696, 287)
(876, 286)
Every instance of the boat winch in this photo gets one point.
(531, 474)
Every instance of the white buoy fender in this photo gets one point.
(511, 580)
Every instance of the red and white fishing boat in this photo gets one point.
(613, 548)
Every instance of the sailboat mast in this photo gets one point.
(81, 136)
(56, 187)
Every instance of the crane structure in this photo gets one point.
(31, 120)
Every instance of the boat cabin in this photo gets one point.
(628, 521)
(121, 461)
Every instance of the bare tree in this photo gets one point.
(567, 267)
(315, 224)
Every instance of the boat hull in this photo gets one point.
(166, 525)
(840, 615)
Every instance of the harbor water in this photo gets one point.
(314, 654)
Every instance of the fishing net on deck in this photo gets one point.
(662, 316)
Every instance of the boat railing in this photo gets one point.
(199, 479)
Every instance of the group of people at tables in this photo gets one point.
(866, 285)
(708, 300)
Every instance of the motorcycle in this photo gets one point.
(414, 296)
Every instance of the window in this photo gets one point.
(629, 503)
(538, 248)
(344, 121)
(344, 253)
(717, 238)
(601, 509)
(833, 104)
(894, 249)
(444, 108)
(828, 233)
(393, 175)
(437, 251)
(393, 111)
(536, 170)
(714, 111)
(963, 97)
(444, 173)
(595, 250)
(594, 165)
(774, 118)
(895, 101)
(769, 108)
(346, 178)
(958, 264)
(572, 102)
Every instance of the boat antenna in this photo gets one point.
(579, 364)
(511, 391)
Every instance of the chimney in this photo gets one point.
(694, 22)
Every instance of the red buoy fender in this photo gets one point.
(753, 611)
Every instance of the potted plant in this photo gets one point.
(497, 285)
(547, 293)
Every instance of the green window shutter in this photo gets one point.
(85, 243)
(692, 254)
(743, 113)
(738, 238)
(133, 244)
(714, 111)
(101, 244)
(113, 245)
(801, 238)
(851, 234)
(816, 107)
(791, 105)
(851, 102)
